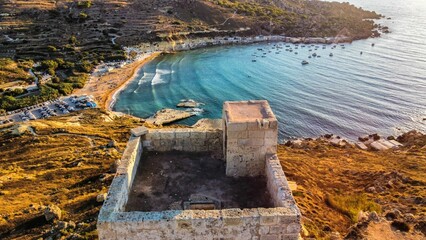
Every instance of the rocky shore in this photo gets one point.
(165, 116)
(189, 44)
(371, 142)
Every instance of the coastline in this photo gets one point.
(104, 88)
(205, 43)
(148, 53)
(111, 98)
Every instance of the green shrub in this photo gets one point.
(85, 66)
(63, 88)
(351, 205)
(10, 103)
(84, 4)
(83, 16)
(77, 81)
(73, 40)
(49, 64)
(52, 48)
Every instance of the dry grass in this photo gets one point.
(66, 163)
(62, 164)
(10, 71)
(325, 172)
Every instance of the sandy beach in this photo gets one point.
(104, 88)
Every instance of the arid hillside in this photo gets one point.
(61, 41)
(336, 184)
(68, 162)
(94, 28)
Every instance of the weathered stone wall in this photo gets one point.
(277, 183)
(256, 223)
(183, 139)
(249, 142)
(280, 222)
(119, 190)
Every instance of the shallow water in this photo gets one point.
(349, 94)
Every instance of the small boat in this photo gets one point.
(331, 54)
(305, 62)
(253, 60)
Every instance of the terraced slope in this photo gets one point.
(27, 28)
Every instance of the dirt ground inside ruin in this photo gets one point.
(165, 181)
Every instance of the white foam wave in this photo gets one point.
(146, 78)
(196, 111)
(159, 76)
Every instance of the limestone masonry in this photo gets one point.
(216, 183)
(251, 133)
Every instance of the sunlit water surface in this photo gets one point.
(349, 94)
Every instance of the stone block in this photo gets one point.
(270, 237)
(272, 133)
(232, 217)
(361, 146)
(146, 143)
(271, 149)
(187, 145)
(214, 134)
(167, 135)
(293, 228)
(198, 135)
(178, 146)
(139, 131)
(237, 135)
(277, 229)
(182, 133)
(267, 216)
(263, 230)
(273, 124)
(256, 142)
(378, 146)
(154, 135)
(271, 141)
(289, 237)
(253, 126)
(256, 134)
(236, 127)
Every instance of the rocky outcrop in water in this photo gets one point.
(168, 115)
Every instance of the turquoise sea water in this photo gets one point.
(383, 90)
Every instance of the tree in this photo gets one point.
(52, 48)
(84, 4)
(49, 64)
(73, 40)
